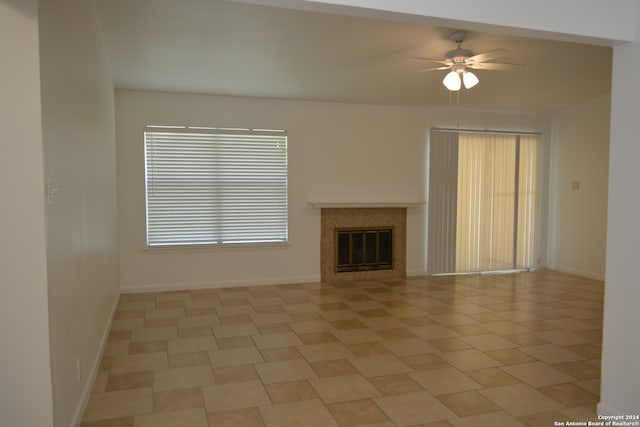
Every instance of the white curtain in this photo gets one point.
(494, 212)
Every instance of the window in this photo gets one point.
(483, 194)
(210, 186)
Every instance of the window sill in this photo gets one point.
(216, 248)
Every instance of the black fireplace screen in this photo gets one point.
(361, 249)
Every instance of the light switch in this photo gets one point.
(575, 185)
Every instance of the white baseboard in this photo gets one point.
(576, 272)
(417, 273)
(604, 409)
(168, 287)
(93, 372)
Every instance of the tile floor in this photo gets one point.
(503, 350)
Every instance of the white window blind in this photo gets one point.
(207, 186)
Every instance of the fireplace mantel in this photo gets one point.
(349, 205)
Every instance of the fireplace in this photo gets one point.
(374, 239)
(363, 248)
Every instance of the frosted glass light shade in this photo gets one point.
(452, 81)
(469, 79)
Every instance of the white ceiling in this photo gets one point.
(219, 47)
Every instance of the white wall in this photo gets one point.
(79, 152)
(337, 152)
(620, 393)
(25, 375)
(578, 218)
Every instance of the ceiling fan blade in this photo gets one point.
(439, 61)
(488, 56)
(495, 66)
(435, 69)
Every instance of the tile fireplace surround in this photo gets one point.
(348, 217)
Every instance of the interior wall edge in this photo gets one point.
(93, 372)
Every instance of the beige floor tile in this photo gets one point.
(433, 332)
(492, 377)
(543, 419)
(285, 371)
(195, 417)
(226, 397)
(488, 342)
(332, 368)
(269, 318)
(570, 395)
(357, 336)
(154, 334)
(174, 400)
(290, 391)
(235, 330)
(311, 326)
(413, 408)
(395, 384)
(129, 323)
(321, 352)
(189, 359)
(114, 422)
(408, 347)
(165, 313)
(422, 362)
(562, 337)
(521, 399)
(308, 413)
(468, 403)
(501, 419)
(277, 340)
(468, 359)
(582, 413)
(234, 357)
(444, 381)
(537, 374)
(367, 349)
(281, 354)
(116, 348)
(148, 347)
(117, 404)
(592, 386)
(234, 342)
(129, 381)
(387, 322)
(139, 363)
(357, 413)
(551, 353)
(510, 356)
(235, 374)
(176, 378)
(505, 328)
(449, 344)
(380, 365)
(191, 345)
(317, 338)
(245, 417)
(342, 388)
(198, 321)
(580, 370)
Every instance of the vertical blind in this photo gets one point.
(487, 192)
(207, 186)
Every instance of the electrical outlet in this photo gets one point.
(79, 369)
(575, 185)
(52, 191)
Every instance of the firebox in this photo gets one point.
(363, 248)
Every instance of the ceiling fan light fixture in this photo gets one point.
(452, 81)
(469, 79)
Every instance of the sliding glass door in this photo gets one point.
(482, 201)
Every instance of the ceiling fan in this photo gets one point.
(461, 61)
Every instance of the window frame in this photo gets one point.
(254, 164)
